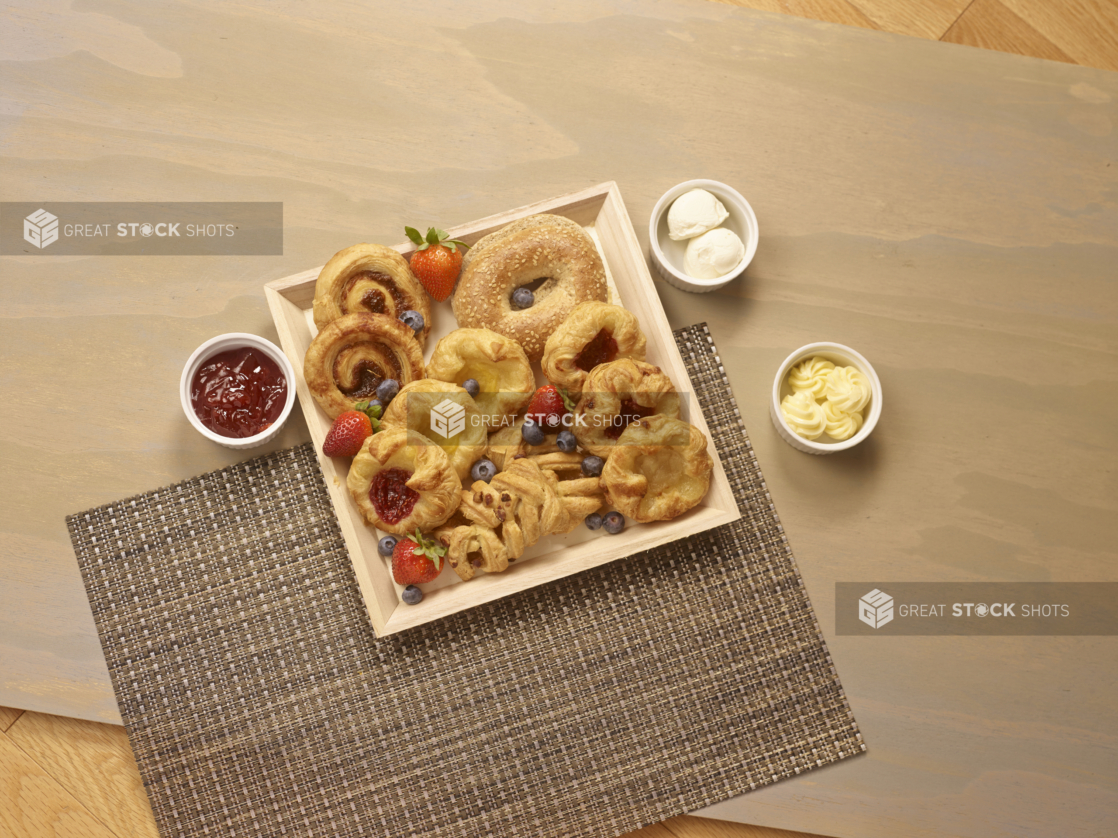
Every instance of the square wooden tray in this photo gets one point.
(602, 212)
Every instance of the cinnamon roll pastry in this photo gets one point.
(617, 394)
(659, 469)
(594, 333)
(499, 520)
(446, 415)
(496, 362)
(352, 355)
(372, 279)
(401, 482)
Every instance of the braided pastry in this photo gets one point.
(594, 333)
(659, 469)
(420, 405)
(353, 354)
(547, 247)
(369, 278)
(499, 520)
(496, 362)
(401, 481)
(617, 394)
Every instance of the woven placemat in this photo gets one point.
(259, 701)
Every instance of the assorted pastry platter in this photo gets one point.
(519, 502)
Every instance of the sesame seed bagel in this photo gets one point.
(547, 247)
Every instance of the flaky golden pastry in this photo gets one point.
(371, 279)
(617, 394)
(352, 355)
(594, 333)
(401, 482)
(547, 247)
(446, 415)
(658, 470)
(496, 362)
(499, 520)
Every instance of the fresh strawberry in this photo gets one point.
(547, 408)
(416, 560)
(437, 261)
(351, 429)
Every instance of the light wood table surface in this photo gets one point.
(949, 212)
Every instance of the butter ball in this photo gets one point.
(713, 254)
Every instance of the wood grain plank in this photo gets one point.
(1087, 30)
(34, 805)
(828, 11)
(689, 826)
(926, 19)
(988, 24)
(94, 763)
(8, 716)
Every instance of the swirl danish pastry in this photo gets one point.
(423, 406)
(594, 333)
(401, 482)
(353, 354)
(372, 279)
(547, 247)
(617, 394)
(496, 362)
(659, 469)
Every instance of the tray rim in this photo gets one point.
(599, 204)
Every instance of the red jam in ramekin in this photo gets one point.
(238, 392)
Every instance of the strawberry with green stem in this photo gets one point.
(416, 560)
(437, 261)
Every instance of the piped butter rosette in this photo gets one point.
(840, 425)
(810, 375)
(847, 389)
(803, 415)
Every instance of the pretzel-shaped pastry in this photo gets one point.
(432, 408)
(499, 520)
(352, 355)
(402, 481)
(617, 394)
(658, 470)
(496, 362)
(594, 333)
(547, 247)
(372, 279)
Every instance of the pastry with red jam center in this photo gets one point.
(593, 334)
(402, 481)
(616, 395)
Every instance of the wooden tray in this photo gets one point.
(601, 211)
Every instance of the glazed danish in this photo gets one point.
(548, 247)
(430, 407)
(658, 470)
(353, 354)
(594, 333)
(401, 482)
(496, 362)
(371, 279)
(617, 394)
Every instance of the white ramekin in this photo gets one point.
(839, 355)
(221, 343)
(667, 255)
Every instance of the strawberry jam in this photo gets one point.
(239, 392)
(391, 496)
(601, 349)
(630, 413)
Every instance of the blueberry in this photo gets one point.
(523, 298)
(532, 433)
(566, 442)
(593, 521)
(375, 403)
(613, 522)
(483, 470)
(592, 466)
(412, 595)
(412, 319)
(387, 390)
(471, 386)
(386, 545)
